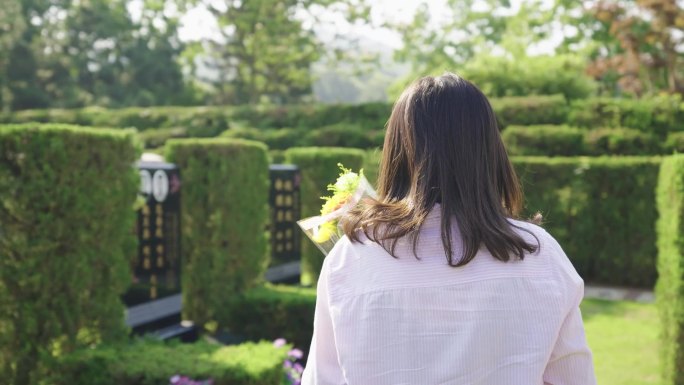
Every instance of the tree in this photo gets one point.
(265, 48)
(12, 27)
(448, 38)
(263, 51)
(74, 53)
(635, 45)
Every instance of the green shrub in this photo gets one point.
(197, 121)
(621, 141)
(148, 362)
(544, 140)
(530, 110)
(278, 139)
(370, 116)
(338, 135)
(271, 312)
(670, 287)
(500, 76)
(675, 142)
(318, 169)
(156, 137)
(657, 115)
(67, 210)
(601, 210)
(224, 211)
(212, 121)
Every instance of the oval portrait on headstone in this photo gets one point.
(160, 185)
(145, 182)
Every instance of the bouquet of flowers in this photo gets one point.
(347, 192)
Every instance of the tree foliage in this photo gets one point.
(635, 46)
(66, 53)
(265, 48)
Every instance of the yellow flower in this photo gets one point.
(325, 232)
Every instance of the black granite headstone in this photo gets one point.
(284, 201)
(154, 294)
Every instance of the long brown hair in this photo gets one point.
(442, 146)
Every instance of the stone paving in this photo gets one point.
(619, 294)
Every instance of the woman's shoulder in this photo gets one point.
(549, 248)
(532, 232)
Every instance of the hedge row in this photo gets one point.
(658, 115)
(158, 124)
(602, 210)
(148, 362)
(273, 311)
(337, 135)
(67, 198)
(670, 288)
(319, 168)
(225, 212)
(550, 140)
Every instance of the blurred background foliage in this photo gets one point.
(117, 53)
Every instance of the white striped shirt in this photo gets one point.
(386, 321)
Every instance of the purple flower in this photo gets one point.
(298, 367)
(175, 379)
(295, 353)
(287, 364)
(280, 342)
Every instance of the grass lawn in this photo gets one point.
(624, 339)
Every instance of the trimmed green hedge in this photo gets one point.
(319, 168)
(67, 198)
(148, 362)
(550, 140)
(198, 121)
(602, 211)
(371, 116)
(675, 142)
(544, 140)
(273, 311)
(670, 288)
(621, 141)
(658, 115)
(530, 110)
(279, 139)
(224, 210)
